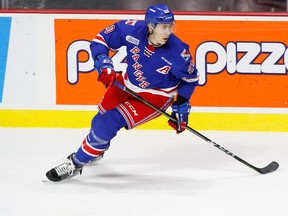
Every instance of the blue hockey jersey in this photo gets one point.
(165, 70)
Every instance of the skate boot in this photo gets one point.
(65, 170)
(95, 160)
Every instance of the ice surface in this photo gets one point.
(144, 173)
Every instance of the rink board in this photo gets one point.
(198, 121)
(242, 61)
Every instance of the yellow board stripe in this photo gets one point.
(197, 120)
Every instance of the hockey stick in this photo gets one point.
(268, 169)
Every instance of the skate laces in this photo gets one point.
(65, 168)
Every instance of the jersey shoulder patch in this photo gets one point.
(185, 54)
(131, 22)
(127, 26)
(180, 49)
(109, 29)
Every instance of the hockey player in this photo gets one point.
(159, 69)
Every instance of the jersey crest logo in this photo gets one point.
(109, 29)
(131, 22)
(185, 55)
(164, 70)
(132, 40)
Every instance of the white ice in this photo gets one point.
(144, 173)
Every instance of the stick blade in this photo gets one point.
(270, 168)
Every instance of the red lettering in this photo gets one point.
(137, 66)
(135, 50)
(144, 84)
(135, 57)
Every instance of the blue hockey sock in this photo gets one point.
(103, 128)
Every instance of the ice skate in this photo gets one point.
(95, 160)
(65, 170)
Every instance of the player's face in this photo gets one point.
(161, 33)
